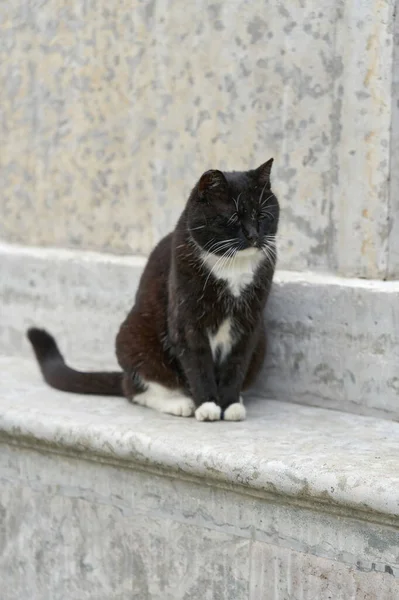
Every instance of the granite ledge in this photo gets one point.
(310, 454)
(333, 342)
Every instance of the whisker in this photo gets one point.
(231, 256)
(267, 209)
(266, 213)
(227, 253)
(210, 242)
(210, 245)
(219, 248)
(261, 195)
(270, 253)
(233, 217)
(236, 200)
(224, 248)
(265, 201)
(270, 240)
(218, 245)
(272, 250)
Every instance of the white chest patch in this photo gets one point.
(238, 272)
(222, 340)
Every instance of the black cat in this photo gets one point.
(195, 337)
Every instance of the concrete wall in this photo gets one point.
(110, 111)
(102, 531)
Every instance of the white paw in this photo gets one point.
(181, 407)
(235, 412)
(209, 411)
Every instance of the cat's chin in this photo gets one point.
(252, 251)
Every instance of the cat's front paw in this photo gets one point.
(235, 412)
(208, 411)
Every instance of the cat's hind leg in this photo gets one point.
(151, 375)
(164, 400)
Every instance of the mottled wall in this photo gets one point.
(109, 111)
(393, 239)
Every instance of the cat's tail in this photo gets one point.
(58, 375)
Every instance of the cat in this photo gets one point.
(195, 337)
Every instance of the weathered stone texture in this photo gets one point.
(110, 113)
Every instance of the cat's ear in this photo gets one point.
(212, 182)
(262, 173)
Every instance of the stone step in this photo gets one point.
(333, 342)
(103, 499)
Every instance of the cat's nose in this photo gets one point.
(251, 234)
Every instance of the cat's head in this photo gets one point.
(237, 212)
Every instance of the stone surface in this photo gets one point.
(278, 573)
(71, 542)
(106, 125)
(332, 342)
(307, 454)
(79, 525)
(393, 240)
(361, 138)
(85, 293)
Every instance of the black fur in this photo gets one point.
(181, 300)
